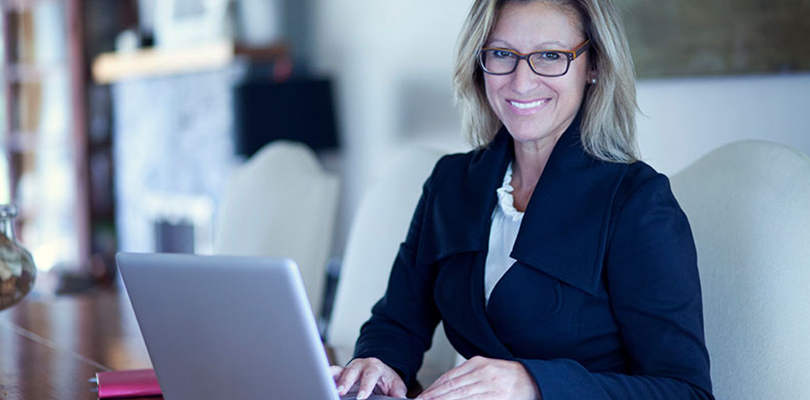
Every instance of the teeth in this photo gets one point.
(527, 105)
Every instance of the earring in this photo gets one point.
(593, 81)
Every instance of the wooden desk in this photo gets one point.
(51, 345)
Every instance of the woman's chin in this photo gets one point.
(535, 135)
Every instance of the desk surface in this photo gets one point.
(51, 345)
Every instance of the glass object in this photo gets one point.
(17, 269)
(497, 61)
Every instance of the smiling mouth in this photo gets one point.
(524, 106)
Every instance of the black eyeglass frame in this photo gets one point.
(570, 56)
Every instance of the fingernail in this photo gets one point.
(340, 388)
(361, 395)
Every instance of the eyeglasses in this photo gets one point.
(497, 61)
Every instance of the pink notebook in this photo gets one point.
(129, 383)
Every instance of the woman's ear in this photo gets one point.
(592, 79)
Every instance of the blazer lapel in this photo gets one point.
(461, 209)
(565, 228)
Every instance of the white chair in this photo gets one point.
(380, 225)
(281, 203)
(749, 207)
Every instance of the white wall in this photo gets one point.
(392, 61)
(387, 57)
(686, 118)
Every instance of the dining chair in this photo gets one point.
(379, 226)
(281, 203)
(749, 207)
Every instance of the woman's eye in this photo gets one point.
(549, 56)
(501, 54)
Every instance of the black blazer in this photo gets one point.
(603, 302)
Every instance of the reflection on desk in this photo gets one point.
(50, 346)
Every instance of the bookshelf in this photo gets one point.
(112, 67)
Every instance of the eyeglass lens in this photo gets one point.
(544, 63)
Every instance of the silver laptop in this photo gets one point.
(227, 327)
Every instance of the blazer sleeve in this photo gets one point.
(402, 323)
(654, 289)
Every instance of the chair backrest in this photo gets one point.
(749, 207)
(379, 226)
(281, 203)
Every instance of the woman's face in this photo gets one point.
(536, 108)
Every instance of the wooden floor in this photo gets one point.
(51, 345)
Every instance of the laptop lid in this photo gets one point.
(227, 327)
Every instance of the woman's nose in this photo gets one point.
(524, 79)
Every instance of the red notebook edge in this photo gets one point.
(128, 383)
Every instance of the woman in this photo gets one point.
(561, 266)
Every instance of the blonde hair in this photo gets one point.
(609, 107)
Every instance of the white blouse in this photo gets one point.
(506, 221)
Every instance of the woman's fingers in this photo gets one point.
(454, 391)
(463, 369)
(393, 385)
(336, 371)
(348, 378)
(460, 386)
(368, 379)
(447, 383)
(399, 390)
(368, 373)
(483, 378)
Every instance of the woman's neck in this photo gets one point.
(530, 162)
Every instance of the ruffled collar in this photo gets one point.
(506, 200)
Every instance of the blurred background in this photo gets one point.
(123, 119)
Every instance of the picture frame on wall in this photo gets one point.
(717, 37)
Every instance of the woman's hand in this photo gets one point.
(369, 372)
(482, 378)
